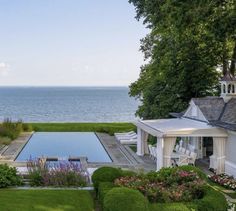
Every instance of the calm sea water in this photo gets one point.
(67, 104)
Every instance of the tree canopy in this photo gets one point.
(189, 42)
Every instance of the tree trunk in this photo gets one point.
(225, 59)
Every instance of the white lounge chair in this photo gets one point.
(127, 133)
(128, 141)
(118, 137)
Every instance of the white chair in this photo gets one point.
(183, 160)
(192, 159)
(150, 151)
(176, 147)
(182, 150)
(187, 152)
(154, 151)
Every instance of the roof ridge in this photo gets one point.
(223, 111)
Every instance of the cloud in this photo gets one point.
(4, 69)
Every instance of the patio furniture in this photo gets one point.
(177, 147)
(154, 152)
(192, 159)
(151, 155)
(183, 160)
(125, 134)
(187, 152)
(128, 141)
(120, 137)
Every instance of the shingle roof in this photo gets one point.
(211, 107)
(229, 114)
(216, 111)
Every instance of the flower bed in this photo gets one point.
(168, 185)
(59, 174)
(224, 180)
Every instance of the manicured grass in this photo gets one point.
(45, 200)
(83, 127)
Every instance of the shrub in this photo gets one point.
(8, 176)
(61, 174)
(27, 127)
(167, 185)
(121, 199)
(5, 140)
(213, 200)
(224, 180)
(103, 189)
(128, 173)
(105, 174)
(10, 129)
(200, 173)
(169, 207)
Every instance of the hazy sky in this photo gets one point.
(69, 42)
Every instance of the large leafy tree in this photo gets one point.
(189, 42)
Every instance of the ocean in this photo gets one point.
(67, 104)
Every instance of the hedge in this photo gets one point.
(103, 189)
(105, 174)
(122, 199)
(213, 200)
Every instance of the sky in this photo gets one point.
(69, 43)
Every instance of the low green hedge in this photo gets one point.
(125, 199)
(213, 200)
(105, 174)
(103, 189)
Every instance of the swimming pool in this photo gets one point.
(64, 145)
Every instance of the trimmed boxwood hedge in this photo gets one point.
(125, 199)
(105, 174)
(213, 200)
(103, 189)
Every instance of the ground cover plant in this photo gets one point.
(8, 176)
(59, 174)
(224, 180)
(110, 128)
(50, 200)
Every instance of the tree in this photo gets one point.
(189, 41)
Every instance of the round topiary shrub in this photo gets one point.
(105, 174)
(122, 199)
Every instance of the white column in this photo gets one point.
(145, 142)
(139, 142)
(142, 145)
(160, 146)
(169, 144)
(219, 154)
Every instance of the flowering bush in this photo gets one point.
(224, 180)
(166, 186)
(59, 173)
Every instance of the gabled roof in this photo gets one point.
(211, 107)
(216, 111)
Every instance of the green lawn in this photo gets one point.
(45, 200)
(83, 127)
